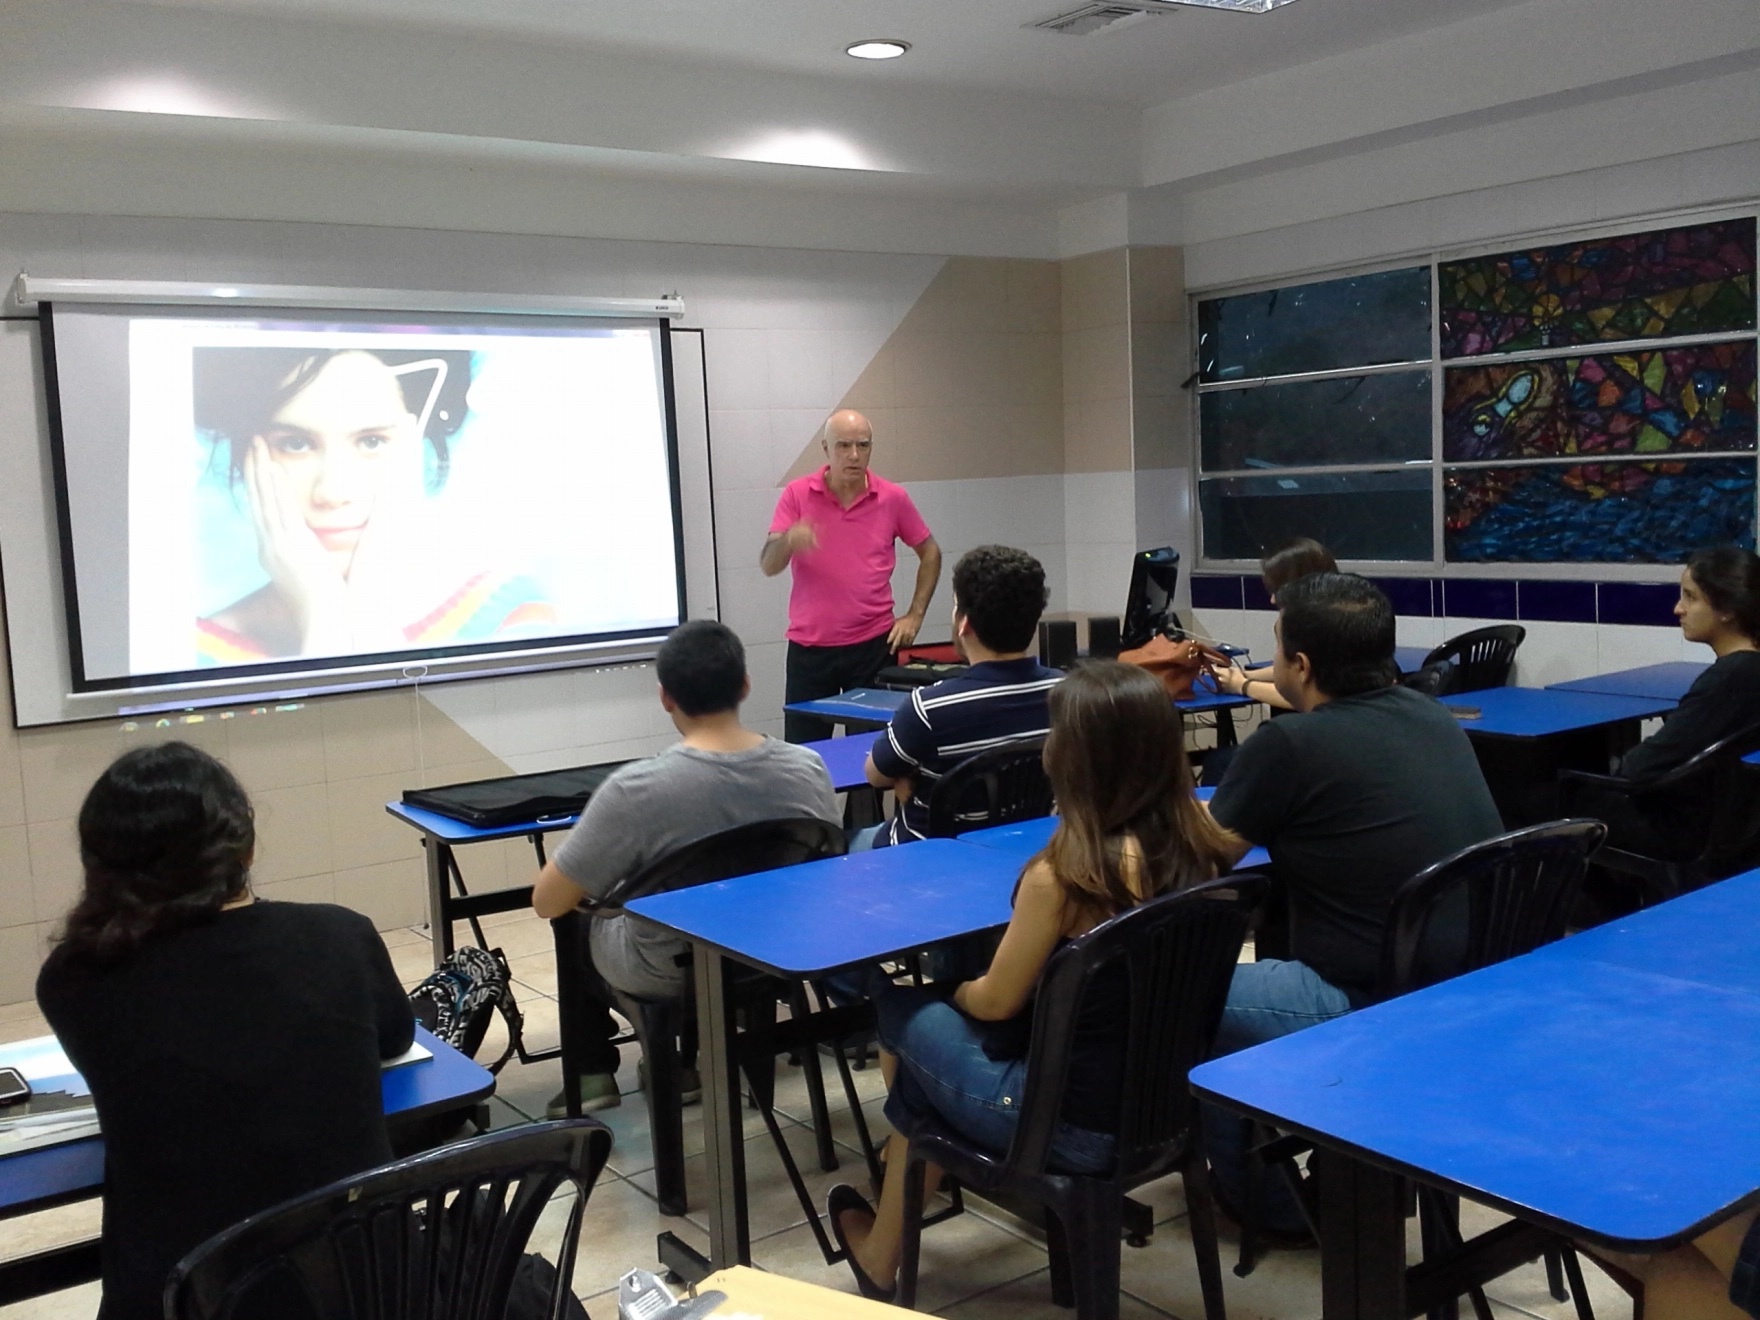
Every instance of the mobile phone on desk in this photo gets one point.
(1465, 712)
(13, 1087)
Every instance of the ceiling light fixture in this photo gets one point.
(877, 48)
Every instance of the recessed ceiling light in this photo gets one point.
(878, 48)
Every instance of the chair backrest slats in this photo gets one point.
(1177, 953)
(996, 787)
(1516, 890)
(1480, 659)
(437, 1236)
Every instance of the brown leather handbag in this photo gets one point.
(1177, 664)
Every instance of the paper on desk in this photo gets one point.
(414, 1054)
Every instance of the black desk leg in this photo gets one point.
(1362, 1239)
(1225, 735)
(439, 858)
(724, 1151)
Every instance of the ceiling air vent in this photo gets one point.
(1096, 16)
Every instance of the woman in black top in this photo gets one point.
(232, 1046)
(1129, 829)
(1719, 606)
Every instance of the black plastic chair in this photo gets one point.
(1481, 658)
(760, 846)
(1711, 806)
(1437, 680)
(1514, 893)
(996, 787)
(1178, 953)
(439, 1235)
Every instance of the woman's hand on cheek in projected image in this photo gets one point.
(306, 575)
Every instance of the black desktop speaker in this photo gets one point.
(1057, 643)
(1103, 637)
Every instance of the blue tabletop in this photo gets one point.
(1027, 837)
(1206, 697)
(861, 705)
(1664, 682)
(1708, 937)
(448, 1080)
(1514, 712)
(1614, 1103)
(802, 921)
(843, 757)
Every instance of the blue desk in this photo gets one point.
(1532, 713)
(1605, 1087)
(858, 708)
(56, 1175)
(1664, 682)
(803, 922)
(843, 757)
(1524, 736)
(1024, 839)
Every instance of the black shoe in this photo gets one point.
(841, 1199)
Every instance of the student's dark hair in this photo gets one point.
(1001, 592)
(238, 391)
(702, 666)
(1292, 560)
(1116, 757)
(1730, 578)
(1344, 625)
(165, 837)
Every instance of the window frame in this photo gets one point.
(1438, 565)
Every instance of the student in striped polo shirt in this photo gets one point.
(998, 596)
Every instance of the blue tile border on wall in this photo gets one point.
(1216, 591)
(1413, 598)
(1649, 603)
(1478, 598)
(1532, 600)
(1556, 602)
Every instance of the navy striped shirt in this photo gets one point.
(991, 704)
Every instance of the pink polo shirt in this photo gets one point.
(842, 590)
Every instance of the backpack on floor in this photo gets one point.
(459, 997)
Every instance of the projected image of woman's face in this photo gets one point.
(341, 447)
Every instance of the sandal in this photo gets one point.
(844, 1198)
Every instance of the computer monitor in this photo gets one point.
(1154, 574)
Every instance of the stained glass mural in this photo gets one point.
(1694, 280)
(1623, 512)
(1679, 400)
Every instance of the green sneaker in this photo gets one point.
(690, 1083)
(598, 1091)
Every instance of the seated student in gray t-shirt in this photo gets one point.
(719, 775)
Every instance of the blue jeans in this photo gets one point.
(944, 1073)
(1265, 1000)
(863, 839)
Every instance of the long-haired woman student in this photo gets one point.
(1129, 829)
(232, 1046)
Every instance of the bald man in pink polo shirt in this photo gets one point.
(837, 529)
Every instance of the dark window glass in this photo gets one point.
(1360, 321)
(1608, 513)
(1349, 419)
(1689, 281)
(1356, 515)
(1677, 400)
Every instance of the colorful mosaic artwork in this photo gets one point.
(1696, 280)
(1678, 400)
(1610, 513)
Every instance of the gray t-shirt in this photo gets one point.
(653, 807)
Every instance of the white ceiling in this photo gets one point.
(981, 44)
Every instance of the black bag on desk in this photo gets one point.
(514, 799)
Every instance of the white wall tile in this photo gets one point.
(1555, 653)
(737, 363)
(801, 374)
(1626, 646)
(739, 447)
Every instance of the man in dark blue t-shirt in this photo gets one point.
(998, 596)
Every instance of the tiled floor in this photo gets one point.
(985, 1265)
